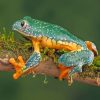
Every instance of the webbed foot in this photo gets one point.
(19, 66)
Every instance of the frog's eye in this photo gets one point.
(23, 24)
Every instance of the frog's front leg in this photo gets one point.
(33, 61)
(35, 57)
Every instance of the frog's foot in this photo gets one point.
(19, 66)
(64, 71)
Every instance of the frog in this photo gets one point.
(53, 36)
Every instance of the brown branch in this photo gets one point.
(49, 68)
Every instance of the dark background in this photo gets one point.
(81, 17)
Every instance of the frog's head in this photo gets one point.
(91, 46)
(24, 26)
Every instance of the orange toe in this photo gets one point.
(17, 75)
(20, 58)
(12, 61)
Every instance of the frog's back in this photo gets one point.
(55, 32)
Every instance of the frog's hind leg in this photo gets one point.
(64, 71)
(76, 69)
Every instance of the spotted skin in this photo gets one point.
(36, 57)
(39, 29)
(85, 57)
(76, 59)
(51, 36)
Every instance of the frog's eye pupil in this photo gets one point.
(22, 23)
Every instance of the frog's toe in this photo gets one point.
(13, 62)
(17, 74)
(20, 58)
(70, 80)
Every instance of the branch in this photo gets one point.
(48, 68)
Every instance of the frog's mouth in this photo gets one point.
(24, 33)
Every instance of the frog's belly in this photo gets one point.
(68, 46)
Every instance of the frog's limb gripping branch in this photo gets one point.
(48, 68)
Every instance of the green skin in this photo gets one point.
(32, 28)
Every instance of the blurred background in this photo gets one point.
(81, 17)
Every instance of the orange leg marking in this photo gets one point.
(64, 71)
(18, 66)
